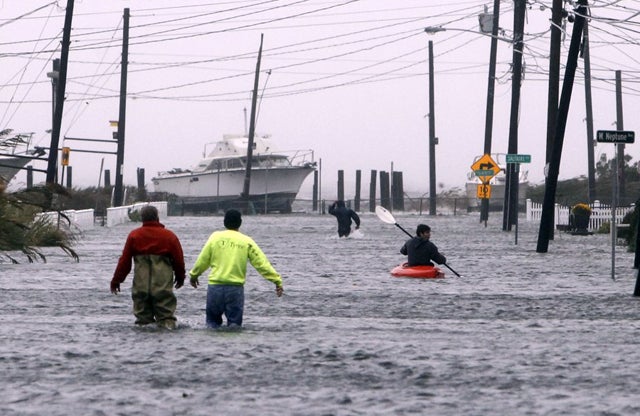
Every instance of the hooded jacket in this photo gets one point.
(421, 252)
(344, 216)
(226, 253)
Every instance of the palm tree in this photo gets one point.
(22, 230)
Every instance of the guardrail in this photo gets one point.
(120, 215)
(85, 219)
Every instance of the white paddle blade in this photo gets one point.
(385, 215)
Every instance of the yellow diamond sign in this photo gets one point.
(486, 168)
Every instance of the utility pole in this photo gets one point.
(252, 130)
(554, 82)
(591, 166)
(622, 183)
(510, 213)
(52, 162)
(488, 125)
(551, 181)
(554, 74)
(118, 188)
(432, 137)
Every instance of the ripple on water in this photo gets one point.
(519, 333)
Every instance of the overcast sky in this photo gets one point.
(346, 78)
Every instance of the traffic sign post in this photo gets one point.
(615, 136)
(484, 191)
(484, 173)
(485, 168)
(515, 158)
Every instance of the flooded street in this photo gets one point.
(518, 333)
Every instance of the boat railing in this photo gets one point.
(301, 157)
(293, 157)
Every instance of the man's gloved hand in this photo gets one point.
(115, 287)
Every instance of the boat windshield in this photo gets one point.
(218, 164)
(258, 161)
(270, 161)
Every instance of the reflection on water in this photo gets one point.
(518, 333)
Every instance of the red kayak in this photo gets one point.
(422, 272)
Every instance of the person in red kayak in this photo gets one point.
(420, 250)
(344, 216)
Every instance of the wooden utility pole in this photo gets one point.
(554, 82)
(252, 131)
(432, 137)
(554, 75)
(118, 190)
(591, 166)
(622, 182)
(52, 162)
(488, 125)
(551, 181)
(510, 213)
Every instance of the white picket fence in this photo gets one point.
(600, 214)
(85, 219)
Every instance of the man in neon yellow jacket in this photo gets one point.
(226, 253)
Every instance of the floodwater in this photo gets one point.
(518, 333)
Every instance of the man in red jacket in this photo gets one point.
(157, 254)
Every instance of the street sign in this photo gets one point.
(487, 166)
(484, 191)
(615, 136)
(484, 172)
(515, 158)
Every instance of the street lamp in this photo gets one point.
(483, 31)
(55, 76)
(489, 26)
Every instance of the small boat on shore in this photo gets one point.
(422, 272)
(217, 182)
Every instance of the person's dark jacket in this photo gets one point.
(344, 216)
(421, 252)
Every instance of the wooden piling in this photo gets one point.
(385, 201)
(356, 201)
(398, 191)
(69, 177)
(372, 191)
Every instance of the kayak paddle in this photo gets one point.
(387, 217)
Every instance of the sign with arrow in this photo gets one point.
(485, 168)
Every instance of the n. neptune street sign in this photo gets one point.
(615, 136)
